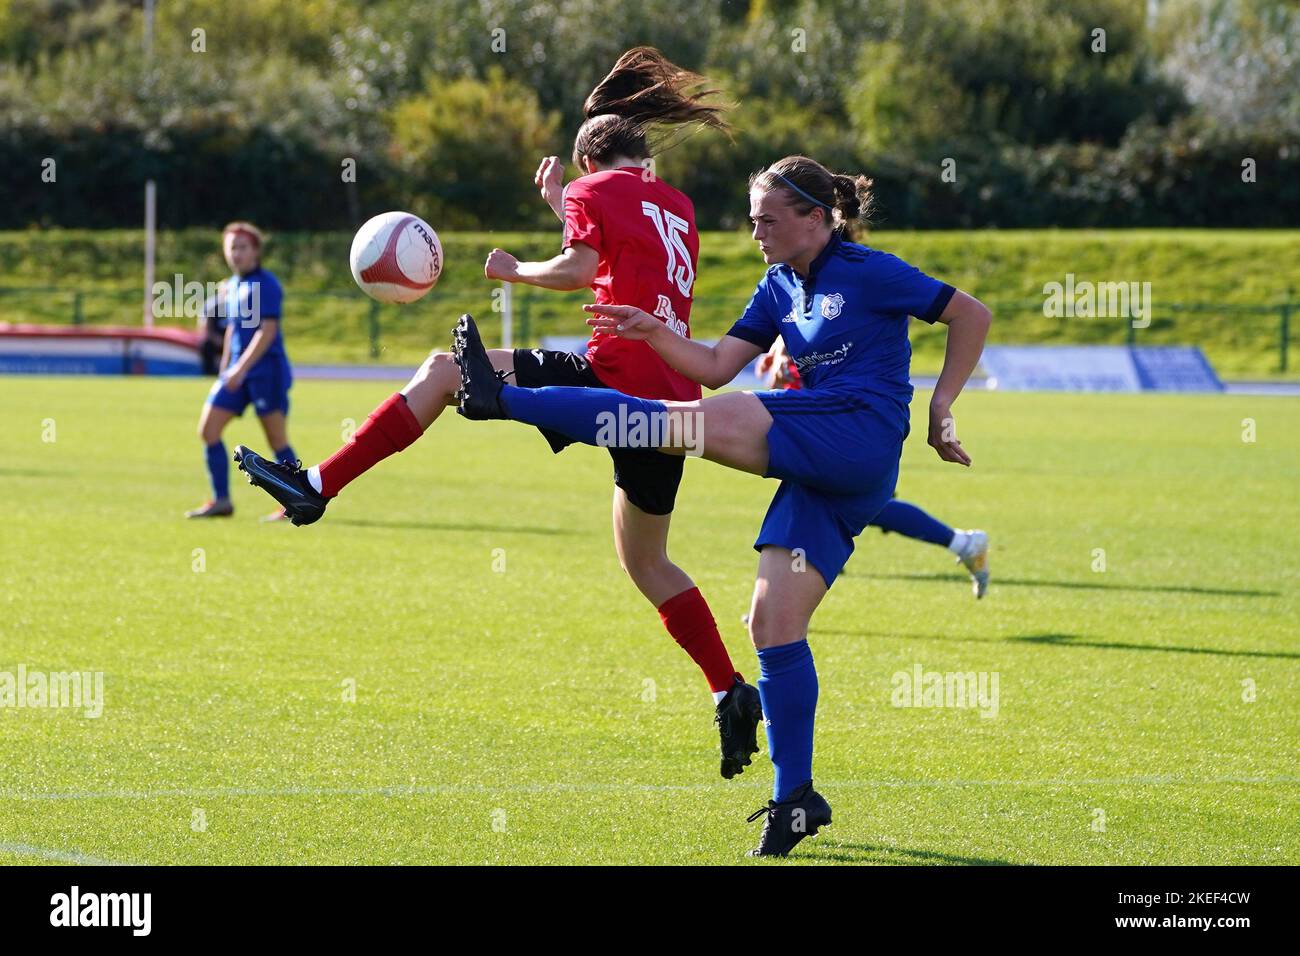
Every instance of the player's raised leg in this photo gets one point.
(786, 593)
(641, 540)
(971, 547)
(392, 427)
(729, 429)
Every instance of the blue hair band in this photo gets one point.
(817, 202)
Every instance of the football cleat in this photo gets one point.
(802, 814)
(976, 558)
(738, 716)
(212, 509)
(279, 514)
(286, 482)
(480, 383)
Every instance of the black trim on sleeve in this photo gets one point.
(752, 336)
(938, 305)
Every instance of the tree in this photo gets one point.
(468, 150)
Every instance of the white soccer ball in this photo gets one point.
(396, 257)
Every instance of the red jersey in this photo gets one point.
(792, 377)
(644, 232)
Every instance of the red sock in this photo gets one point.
(390, 428)
(689, 620)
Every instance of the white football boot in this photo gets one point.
(976, 558)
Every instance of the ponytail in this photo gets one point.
(643, 90)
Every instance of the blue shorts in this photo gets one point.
(837, 459)
(266, 392)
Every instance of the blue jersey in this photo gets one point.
(250, 299)
(845, 325)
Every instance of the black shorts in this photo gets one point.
(648, 477)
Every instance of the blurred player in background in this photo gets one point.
(632, 238)
(971, 547)
(211, 326)
(254, 366)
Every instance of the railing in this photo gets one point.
(344, 325)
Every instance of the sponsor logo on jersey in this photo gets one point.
(664, 310)
(812, 359)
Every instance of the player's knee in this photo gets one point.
(437, 375)
(768, 627)
(642, 566)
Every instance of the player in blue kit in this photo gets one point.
(254, 366)
(835, 444)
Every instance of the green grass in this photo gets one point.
(1237, 279)
(523, 693)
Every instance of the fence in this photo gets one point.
(344, 326)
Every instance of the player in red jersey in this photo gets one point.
(631, 238)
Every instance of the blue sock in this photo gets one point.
(596, 416)
(787, 685)
(219, 470)
(286, 455)
(903, 518)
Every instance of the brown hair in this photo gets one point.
(846, 198)
(644, 89)
(247, 228)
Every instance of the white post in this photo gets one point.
(507, 316)
(150, 224)
(150, 188)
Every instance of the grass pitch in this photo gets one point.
(517, 701)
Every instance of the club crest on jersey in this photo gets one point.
(832, 305)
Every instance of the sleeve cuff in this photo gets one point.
(587, 240)
(752, 336)
(938, 305)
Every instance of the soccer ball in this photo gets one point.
(396, 257)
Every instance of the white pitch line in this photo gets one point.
(55, 856)
(413, 790)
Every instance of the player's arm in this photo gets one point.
(711, 365)
(550, 182)
(968, 322)
(773, 364)
(574, 268)
(261, 341)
